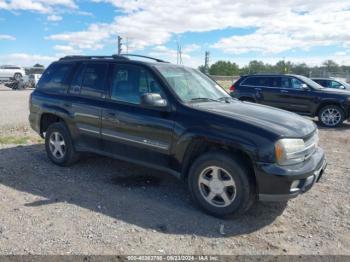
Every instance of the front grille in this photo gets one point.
(311, 144)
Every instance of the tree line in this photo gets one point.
(227, 68)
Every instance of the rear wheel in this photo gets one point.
(331, 116)
(220, 185)
(59, 146)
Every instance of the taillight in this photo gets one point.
(232, 88)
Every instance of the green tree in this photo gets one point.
(330, 66)
(300, 69)
(225, 68)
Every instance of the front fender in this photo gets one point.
(185, 141)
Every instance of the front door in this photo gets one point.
(130, 130)
(294, 97)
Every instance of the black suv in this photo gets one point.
(178, 120)
(295, 93)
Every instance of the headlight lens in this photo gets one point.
(290, 151)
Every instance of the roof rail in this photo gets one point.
(75, 57)
(148, 57)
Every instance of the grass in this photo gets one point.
(225, 84)
(19, 140)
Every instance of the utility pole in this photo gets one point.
(178, 53)
(206, 62)
(119, 45)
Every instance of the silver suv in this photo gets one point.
(9, 72)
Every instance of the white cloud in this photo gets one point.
(7, 37)
(93, 38)
(41, 6)
(280, 25)
(54, 18)
(24, 59)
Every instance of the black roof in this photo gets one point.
(269, 74)
(123, 57)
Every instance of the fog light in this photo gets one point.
(309, 180)
(294, 185)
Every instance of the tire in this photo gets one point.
(17, 76)
(57, 135)
(331, 116)
(240, 195)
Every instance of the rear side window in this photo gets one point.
(268, 81)
(89, 80)
(250, 81)
(94, 80)
(54, 78)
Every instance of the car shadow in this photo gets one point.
(140, 196)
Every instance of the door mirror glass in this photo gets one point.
(153, 100)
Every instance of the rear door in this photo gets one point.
(270, 87)
(130, 130)
(87, 93)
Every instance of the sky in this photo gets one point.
(310, 31)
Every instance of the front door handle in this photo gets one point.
(284, 91)
(112, 116)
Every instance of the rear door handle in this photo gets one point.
(284, 91)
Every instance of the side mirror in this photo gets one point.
(153, 100)
(304, 86)
(341, 87)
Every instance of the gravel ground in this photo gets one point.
(104, 206)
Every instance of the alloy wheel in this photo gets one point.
(57, 145)
(217, 186)
(331, 116)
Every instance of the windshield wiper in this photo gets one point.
(226, 99)
(204, 99)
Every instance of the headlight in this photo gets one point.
(289, 151)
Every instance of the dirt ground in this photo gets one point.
(104, 206)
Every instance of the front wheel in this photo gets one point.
(331, 116)
(220, 185)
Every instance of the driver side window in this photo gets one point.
(296, 83)
(129, 83)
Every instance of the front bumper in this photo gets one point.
(275, 182)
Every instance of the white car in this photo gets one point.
(9, 72)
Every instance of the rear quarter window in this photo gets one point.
(54, 77)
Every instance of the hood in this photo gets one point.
(280, 122)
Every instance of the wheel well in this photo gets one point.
(199, 147)
(46, 120)
(247, 98)
(328, 104)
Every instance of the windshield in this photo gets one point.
(190, 84)
(310, 82)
